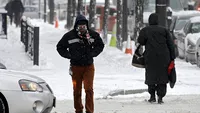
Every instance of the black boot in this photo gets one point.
(152, 99)
(160, 101)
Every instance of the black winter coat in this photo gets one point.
(17, 6)
(159, 51)
(80, 51)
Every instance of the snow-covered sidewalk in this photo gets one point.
(173, 104)
(113, 72)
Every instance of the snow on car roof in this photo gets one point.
(195, 19)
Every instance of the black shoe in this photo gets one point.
(152, 99)
(160, 101)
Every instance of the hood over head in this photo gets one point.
(80, 19)
(153, 19)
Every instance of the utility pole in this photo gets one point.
(125, 21)
(92, 14)
(169, 14)
(105, 20)
(119, 24)
(161, 11)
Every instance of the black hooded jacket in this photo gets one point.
(79, 50)
(159, 51)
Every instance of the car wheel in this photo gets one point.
(2, 106)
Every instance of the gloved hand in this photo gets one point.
(170, 67)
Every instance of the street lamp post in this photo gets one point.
(161, 11)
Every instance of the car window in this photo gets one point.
(180, 24)
(30, 9)
(186, 27)
(195, 28)
(173, 23)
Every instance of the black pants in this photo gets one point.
(161, 89)
(17, 18)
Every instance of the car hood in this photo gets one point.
(193, 38)
(19, 75)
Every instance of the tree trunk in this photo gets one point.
(119, 24)
(74, 10)
(125, 21)
(80, 7)
(69, 15)
(138, 18)
(92, 13)
(45, 11)
(105, 20)
(51, 15)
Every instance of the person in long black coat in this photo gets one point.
(18, 10)
(9, 10)
(159, 53)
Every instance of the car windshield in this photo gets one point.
(149, 5)
(180, 24)
(195, 28)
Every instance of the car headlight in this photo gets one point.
(27, 85)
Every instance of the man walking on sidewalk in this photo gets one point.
(80, 45)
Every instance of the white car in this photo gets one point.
(187, 39)
(24, 93)
(197, 53)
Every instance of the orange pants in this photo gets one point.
(85, 75)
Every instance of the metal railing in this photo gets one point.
(30, 38)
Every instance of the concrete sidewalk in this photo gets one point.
(173, 104)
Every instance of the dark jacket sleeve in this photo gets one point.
(170, 45)
(63, 46)
(142, 37)
(97, 46)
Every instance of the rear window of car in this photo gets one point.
(30, 9)
(195, 27)
(180, 24)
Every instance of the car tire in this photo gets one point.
(2, 106)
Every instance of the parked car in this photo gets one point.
(187, 39)
(178, 23)
(197, 56)
(24, 93)
(31, 11)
